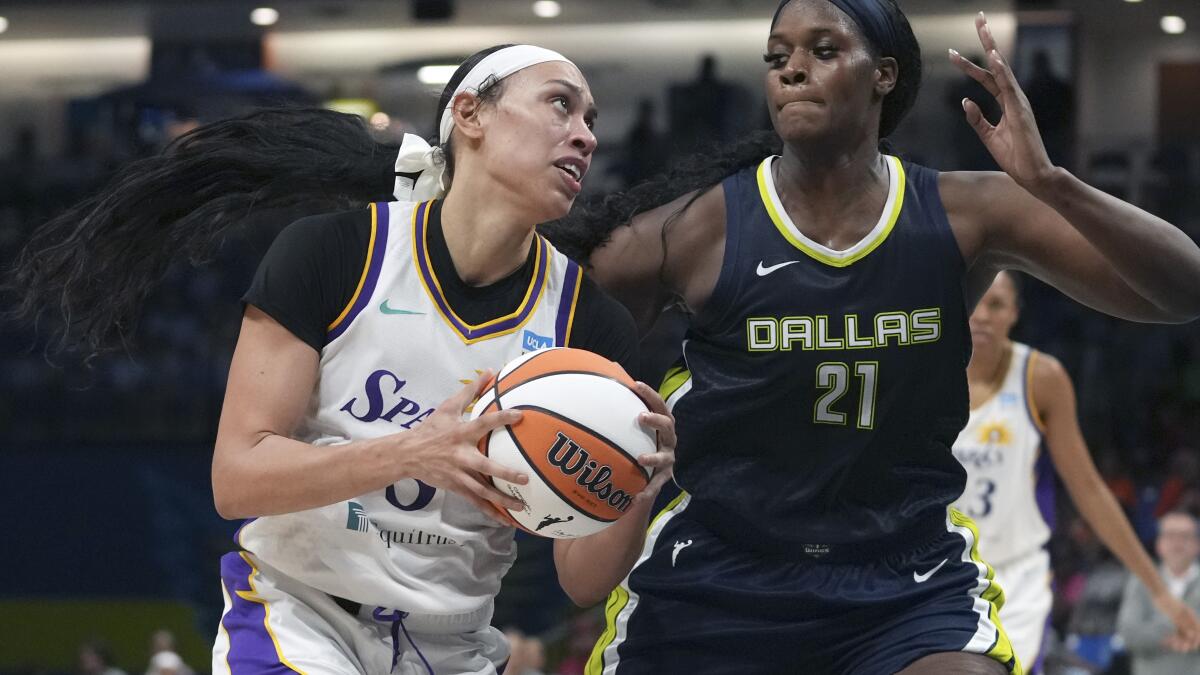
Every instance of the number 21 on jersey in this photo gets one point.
(834, 377)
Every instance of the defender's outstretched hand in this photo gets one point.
(1014, 141)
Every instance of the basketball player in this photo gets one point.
(370, 545)
(824, 379)
(823, 376)
(1021, 400)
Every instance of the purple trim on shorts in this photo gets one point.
(1043, 488)
(566, 304)
(373, 267)
(251, 649)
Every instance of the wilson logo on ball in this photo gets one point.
(578, 440)
(572, 459)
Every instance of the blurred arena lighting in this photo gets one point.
(435, 74)
(547, 9)
(1173, 25)
(264, 16)
(3, 24)
(363, 107)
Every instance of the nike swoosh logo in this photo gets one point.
(764, 271)
(922, 578)
(383, 307)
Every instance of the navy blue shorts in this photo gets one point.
(695, 604)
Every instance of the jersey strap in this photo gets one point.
(370, 274)
(471, 333)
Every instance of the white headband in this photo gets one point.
(499, 64)
(417, 158)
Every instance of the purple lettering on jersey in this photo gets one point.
(379, 398)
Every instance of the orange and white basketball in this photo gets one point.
(578, 440)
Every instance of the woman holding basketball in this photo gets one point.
(372, 543)
(823, 375)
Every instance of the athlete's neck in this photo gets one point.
(487, 237)
(835, 195)
(985, 372)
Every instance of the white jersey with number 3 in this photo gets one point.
(1007, 488)
(396, 352)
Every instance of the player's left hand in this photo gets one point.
(661, 463)
(1186, 637)
(1014, 141)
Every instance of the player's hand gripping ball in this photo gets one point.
(578, 440)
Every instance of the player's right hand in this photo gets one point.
(443, 451)
(1186, 637)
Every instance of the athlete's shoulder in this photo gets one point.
(1045, 369)
(326, 228)
(1049, 386)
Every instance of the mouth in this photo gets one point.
(573, 170)
(804, 101)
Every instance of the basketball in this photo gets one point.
(578, 440)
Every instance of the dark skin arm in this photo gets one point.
(1040, 219)
(673, 251)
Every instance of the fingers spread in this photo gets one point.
(1003, 74)
(980, 75)
(458, 403)
(490, 467)
(489, 493)
(490, 421)
(976, 119)
(985, 33)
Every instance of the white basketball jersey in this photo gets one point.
(396, 352)
(1009, 492)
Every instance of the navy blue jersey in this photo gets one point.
(826, 387)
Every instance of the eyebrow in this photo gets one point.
(578, 91)
(820, 30)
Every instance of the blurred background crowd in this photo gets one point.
(111, 538)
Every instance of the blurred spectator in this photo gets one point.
(706, 110)
(527, 655)
(1183, 481)
(1149, 635)
(1117, 479)
(969, 152)
(645, 155)
(163, 658)
(584, 629)
(1053, 103)
(95, 658)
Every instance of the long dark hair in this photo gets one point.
(590, 224)
(89, 269)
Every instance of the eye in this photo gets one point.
(561, 101)
(775, 60)
(825, 52)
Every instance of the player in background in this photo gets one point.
(1021, 402)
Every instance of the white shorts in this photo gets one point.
(1028, 598)
(275, 624)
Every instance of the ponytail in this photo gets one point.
(92, 267)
